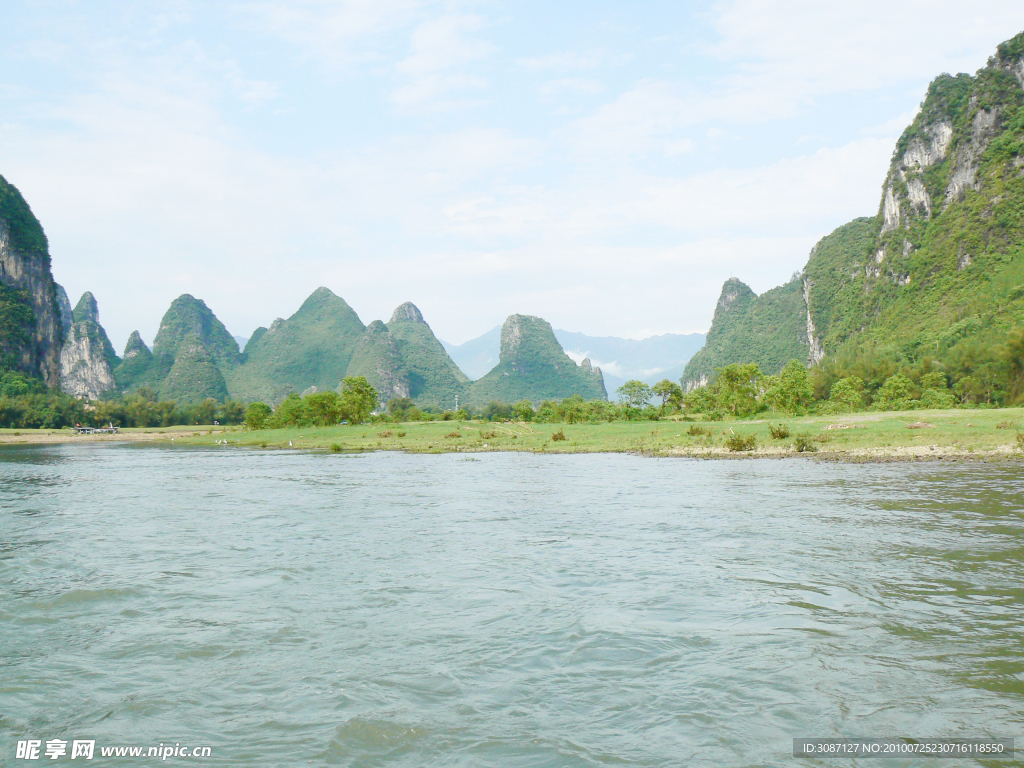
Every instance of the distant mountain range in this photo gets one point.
(650, 359)
(936, 277)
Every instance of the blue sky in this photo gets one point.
(605, 165)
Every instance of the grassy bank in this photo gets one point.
(859, 436)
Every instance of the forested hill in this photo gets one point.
(937, 277)
(31, 328)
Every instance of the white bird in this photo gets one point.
(289, 443)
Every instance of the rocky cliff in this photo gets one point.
(31, 331)
(534, 367)
(939, 271)
(87, 359)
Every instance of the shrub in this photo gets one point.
(695, 431)
(385, 433)
(937, 398)
(804, 444)
(778, 431)
(1020, 440)
(1006, 425)
(559, 435)
(335, 448)
(741, 442)
(401, 434)
(715, 415)
(454, 435)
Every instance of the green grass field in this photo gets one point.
(916, 434)
(902, 435)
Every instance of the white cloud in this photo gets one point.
(564, 60)
(337, 33)
(790, 51)
(151, 181)
(439, 48)
(571, 85)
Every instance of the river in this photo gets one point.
(287, 608)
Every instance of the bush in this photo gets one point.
(804, 444)
(741, 442)
(715, 415)
(937, 398)
(695, 431)
(779, 431)
(559, 435)
(335, 448)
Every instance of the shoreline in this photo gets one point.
(972, 435)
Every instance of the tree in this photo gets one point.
(969, 389)
(667, 390)
(792, 391)
(291, 412)
(359, 397)
(846, 395)
(736, 387)
(398, 406)
(894, 394)
(257, 415)
(524, 410)
(205, 412)
(634, 393)
(324, 408)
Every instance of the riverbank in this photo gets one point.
(891, 436)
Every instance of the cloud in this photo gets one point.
(783, 54)
(439, 48)
(571, 85)
(336, 33)
(158, 165)
(566, 60)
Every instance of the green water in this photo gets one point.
(291, 609)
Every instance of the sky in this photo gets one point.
(604, 165)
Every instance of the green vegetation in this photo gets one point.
(925, 310)
(26, 403)
(354, 404)
(194, 376)
(17, 318)
(311, 348)
(533, 367)
(191, 351)
(187, 321)
(378, 360)
(434, 379)
(946, 434)
(769, 330)
(25, 231)
(136, 368)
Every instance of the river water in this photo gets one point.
(291, 609)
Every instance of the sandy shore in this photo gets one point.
(44, 436)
